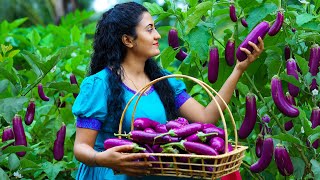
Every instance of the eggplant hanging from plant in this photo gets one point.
(279, 98)
(250, 118)
(213, 66)
(260, 30)
(276, 26)
(173, 41)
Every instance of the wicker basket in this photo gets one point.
(206, 167)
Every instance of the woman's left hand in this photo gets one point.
(257, 50)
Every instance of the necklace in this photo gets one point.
(137, 89)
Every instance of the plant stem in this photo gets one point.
(247, 166)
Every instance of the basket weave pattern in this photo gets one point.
(197, 166)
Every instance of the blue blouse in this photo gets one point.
(90, 108)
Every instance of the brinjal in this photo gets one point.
(279, 99)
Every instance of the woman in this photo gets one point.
(124, 43)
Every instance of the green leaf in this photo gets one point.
(10, 106)
(259, 13)
(198, 40)
(64, 86)
(315, 136)
(33, 61)
(288, 138)
(8, 75)
(56, 57)
(34, 37)
(310, 36)
(167, 56)
(13, 162)
(154, 8)
(312, 25)
(26, 163)
(299, 166)
(306, 124)
(3, 174)
(302, 63)
(3, 85)
(75, 34)
(315, 168)
(304, 18)
(243, 89)
(290, 79)
(17, 22)
(14, 149)
(194, 18)
(52, 170)
(192, 3)
(13, 53)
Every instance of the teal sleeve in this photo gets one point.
(90, 106)
(180, 90)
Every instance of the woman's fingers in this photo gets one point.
(123, 148)
(255, 47)
(261, 43)
(245, 50)
(134, 156)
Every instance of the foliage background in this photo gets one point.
(41, 49)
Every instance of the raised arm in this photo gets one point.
(194, 111)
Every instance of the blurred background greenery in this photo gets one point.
(43, 12)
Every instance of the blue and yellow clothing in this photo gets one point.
(90, 108)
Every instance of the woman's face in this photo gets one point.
(146, 44)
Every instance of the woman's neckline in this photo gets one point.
(149, 91)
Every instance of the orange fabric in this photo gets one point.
(233, 176)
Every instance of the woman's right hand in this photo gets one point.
(115, 159)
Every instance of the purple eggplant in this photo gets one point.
(292, 70)
(182, 121)
(58, 147)
(7, 134)
(143, 123)
(314, 64)
(149, 138)
(260, 30)
(149, 130)
(276, 26)
(283, 160)
(220, 131)
(289, 124)
(232, 13)
(229, 52)
(200, 137)
(19, 134)
(279, 99)
(259, 145)
(41, 93)
(315, 121)
(266, 118)
(194, 147)
(250, 118)
(244, 22)
(266, 157)
(173, 125)
(184, 131)
(287, 53)
(161, 128)
(213, 66)
(217, 143)
(173, 41)
(73, 80)
(113, 142)
(30, 112)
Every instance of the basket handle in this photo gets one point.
(203, 85)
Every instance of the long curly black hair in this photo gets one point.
(109, 51)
